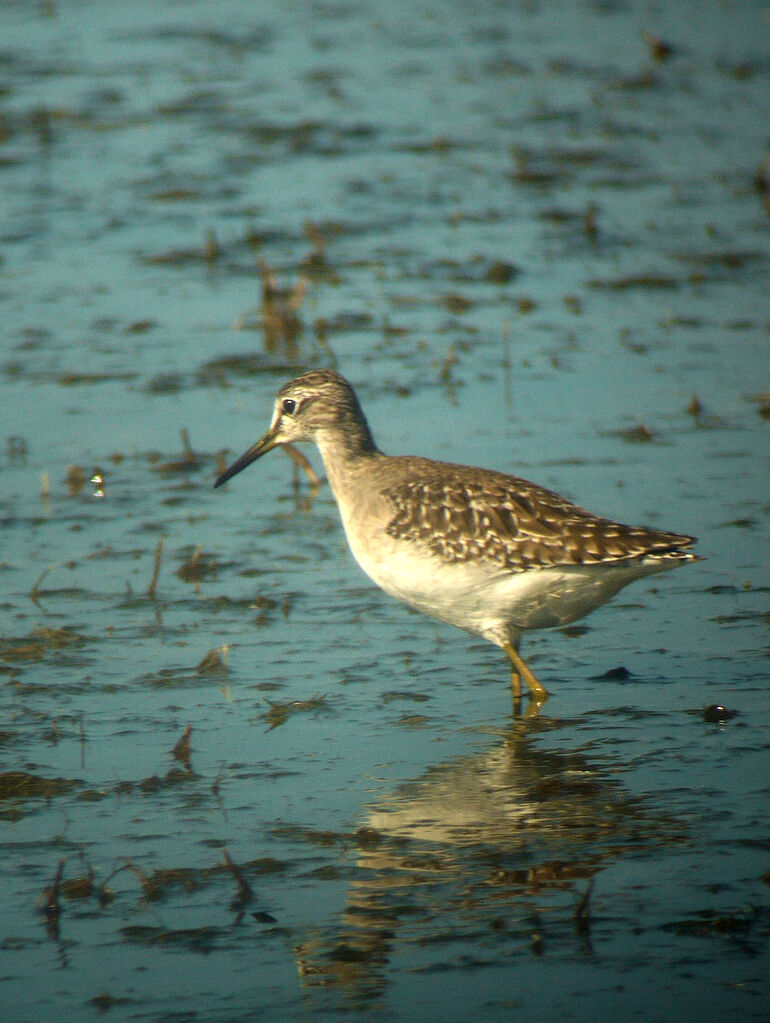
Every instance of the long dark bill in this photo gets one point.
(263, 445)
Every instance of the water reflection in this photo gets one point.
(485, 856)
(278, 317)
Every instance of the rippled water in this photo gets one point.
(534, 240)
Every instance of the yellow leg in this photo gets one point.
(519, 671)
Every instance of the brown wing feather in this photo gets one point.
(513, 523)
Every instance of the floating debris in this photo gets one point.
(198, 939)
(155, 570)
(264, 605)
(537, 942)
(16, 450)
(457, 303)
(317, 258)
(619, 674)
(245, 894)
(55, 638)
(48, 902)
(589, 221)
(23, 648)
(500, 272)
(173, 777)
(694, 408)
(660, 50)
(640, 434)
(651, 282)
(79, 887)
(35, 592)
(189, 462)
(75, 480)
(445, 373)
(413, 721)
(280, 712)
(207, 253)
(643, 82)
(215, 662)
(165, 383)
(761, 182)
(278, 317)
(368, 838)
(707, 922)
(527, 174)
(140, 326)
(73, 379)
(211, 250)
(400, 694)
(181, 750)
(583, 911)
(197, 567)
(717, 714)
(763, 403)
(105, 1001)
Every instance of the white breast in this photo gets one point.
(486, 600)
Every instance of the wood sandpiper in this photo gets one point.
(490, 553)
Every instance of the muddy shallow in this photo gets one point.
(536, 238)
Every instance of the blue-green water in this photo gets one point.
(529, 242)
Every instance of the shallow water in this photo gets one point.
(529, 241)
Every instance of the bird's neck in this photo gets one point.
(344, 451)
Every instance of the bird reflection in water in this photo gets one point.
(485, 857)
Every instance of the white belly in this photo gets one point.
(495, 604)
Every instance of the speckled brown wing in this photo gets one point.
(512, 523)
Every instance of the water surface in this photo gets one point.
(535, 240)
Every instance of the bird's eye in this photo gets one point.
(289, 406)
